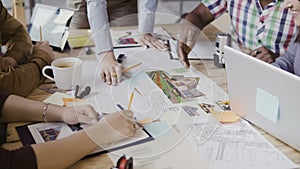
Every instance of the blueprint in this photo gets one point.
(234, 145)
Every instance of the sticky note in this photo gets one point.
(80, 41)
(157, 129)
(267, 105)
(225, 116)
(74, 102)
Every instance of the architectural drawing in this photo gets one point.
(235, 145)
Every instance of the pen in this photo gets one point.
(120, 107)
(127, 69)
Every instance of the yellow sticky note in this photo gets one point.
(224, 117)
(80, 41)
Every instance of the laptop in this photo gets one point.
(264, 95)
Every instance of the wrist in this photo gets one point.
(54, 112)
(106, 56)
(92, 133)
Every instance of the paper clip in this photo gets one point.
(86, 92)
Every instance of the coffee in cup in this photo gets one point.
(67, 72)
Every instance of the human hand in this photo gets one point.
(146, 39)
(294, 5)
(186, 42)
(79, 114)
(11, 61)
(264, 54)
(45, 47)
(113, 127)
(110, 66)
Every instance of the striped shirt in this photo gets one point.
(252, 26)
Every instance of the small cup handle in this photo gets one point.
(43, 71)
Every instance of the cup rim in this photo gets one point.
(77, 60)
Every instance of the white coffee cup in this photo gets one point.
(67, 72)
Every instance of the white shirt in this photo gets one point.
(98, 19)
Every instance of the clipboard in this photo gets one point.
(26, 138)
(54, 23)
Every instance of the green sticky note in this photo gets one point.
(267, 105)
(80, 41)
(157, 129)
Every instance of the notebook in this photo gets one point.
(264, 95)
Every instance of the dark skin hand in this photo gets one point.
(264, 54)
(191, 26)
(183, 51)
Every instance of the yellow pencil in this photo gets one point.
(41, 36)
(130, 100)
(127, 69)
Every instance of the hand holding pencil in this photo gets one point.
(111, 71)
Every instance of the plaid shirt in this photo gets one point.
(252, 26)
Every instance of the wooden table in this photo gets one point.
(207, 67)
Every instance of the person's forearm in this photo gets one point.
(21, 109)
(200, 16)
(98, 19)
(20, 80)
(64, 152)
(146, 9)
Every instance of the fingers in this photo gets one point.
(112, 74)
(127, 113)
(102, 75)
(150, 41)
(118, 70)
(183, 54)
(265, 57)
(159, 44)
(86, 119)
(263, 54)
(111, 70)
(108, 77)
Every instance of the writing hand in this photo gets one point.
(112, 127)
(45, 47)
